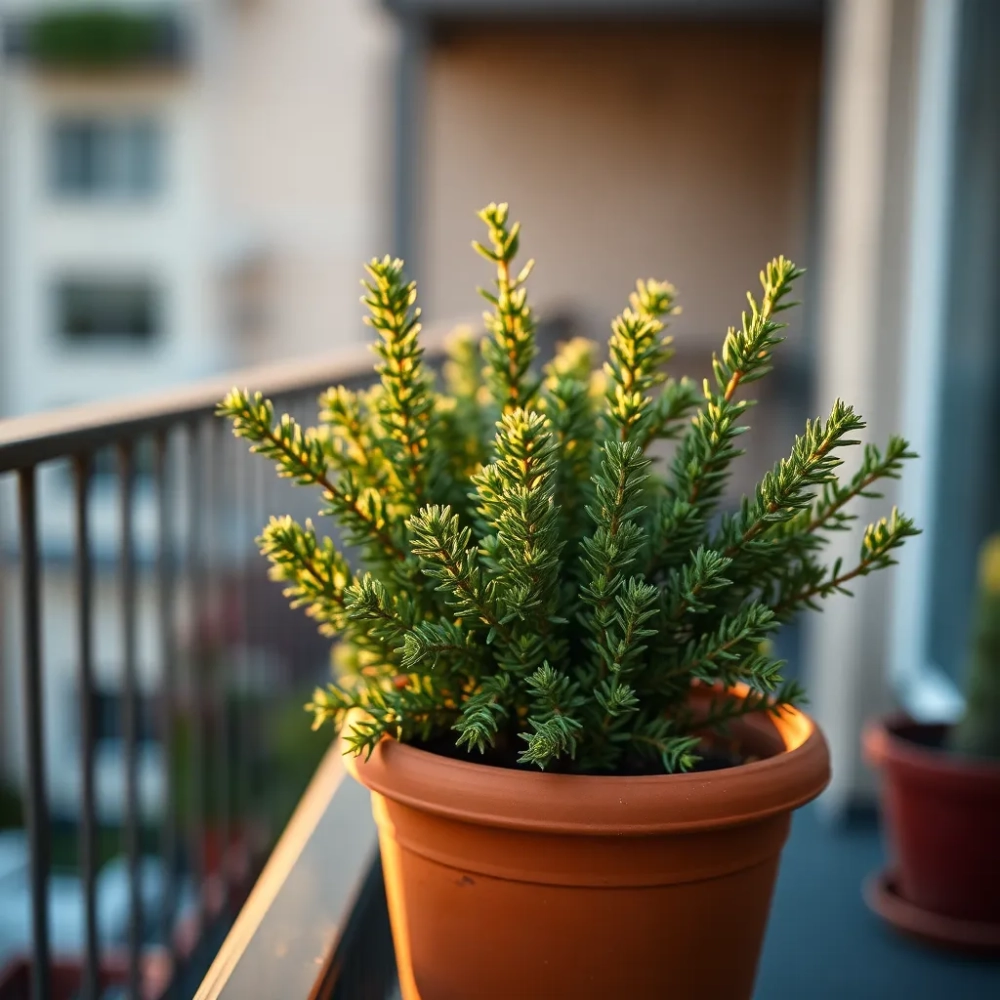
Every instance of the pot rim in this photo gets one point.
(884, 746)
(596, 805)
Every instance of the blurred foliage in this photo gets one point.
(11, 809)
(101, 38)
(978, 733)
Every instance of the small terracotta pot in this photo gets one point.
(942, 814)
(514, 883)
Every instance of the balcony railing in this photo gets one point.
(212, 699)
(176, 555)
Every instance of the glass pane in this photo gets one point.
(143, 155)
(93, 157)
(107, 310)
(75, 157)
(966, 505)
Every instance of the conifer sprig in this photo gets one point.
(569, 404)
(791, 485)
(510, 348)
(828, 513)
(301, 456)
(880, 540)
(612, 549)
(317, 575)
(637, 353)
(405, 403)
(516, 580)
(708, 448)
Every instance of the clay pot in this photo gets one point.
(515, 883)
(942, 814)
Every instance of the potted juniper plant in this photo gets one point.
(555, 671)
(941, 799)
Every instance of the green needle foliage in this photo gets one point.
(520, 582)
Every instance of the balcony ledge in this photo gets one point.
(315, 924)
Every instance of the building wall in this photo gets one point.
(674, 150)
(163, 238)
(678, 151)
(166, 237)
(302, 99)
(276, 130)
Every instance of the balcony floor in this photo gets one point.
(824, 944)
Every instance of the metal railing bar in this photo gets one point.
(88, 834)
(216, 503)
(36, 805)
(240, 744)
(256, 505)
(166, 596)
(130, 713)
(41, 437)
(196, 659)
(31, 440)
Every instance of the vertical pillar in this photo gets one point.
(846, 671)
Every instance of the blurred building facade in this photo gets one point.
(217, 206)
(199, 203)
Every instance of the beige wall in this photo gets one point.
(303, 105)
(675, 151)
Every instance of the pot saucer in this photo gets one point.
(882, 895)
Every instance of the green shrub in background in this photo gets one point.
(100, 38)
(978, 733)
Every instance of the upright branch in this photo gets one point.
(616, 605)
(406, 401)
(637, 353)
(351, 437)
(510, 349)
(706, 451)
(569, 404)
(516, 499)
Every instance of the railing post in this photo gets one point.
(88, 835)
(215, 570)
(196, 659)
(130, 712)
(165, 595)
(36, 804)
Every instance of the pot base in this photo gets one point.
(881, 893)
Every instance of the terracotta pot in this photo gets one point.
(942, 814)
(514, 883)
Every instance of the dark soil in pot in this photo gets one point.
(505, 754)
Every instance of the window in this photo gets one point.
(107, 311)
(953, 375)
(963, 501)
(93, 157)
